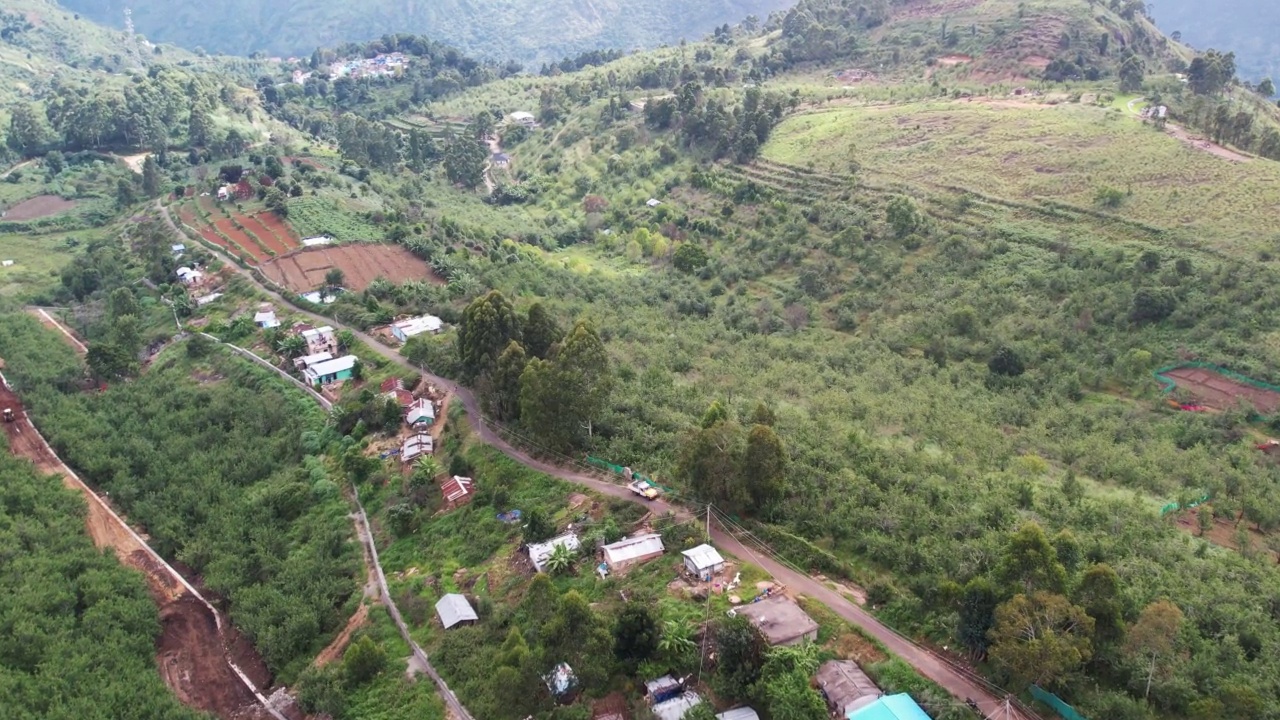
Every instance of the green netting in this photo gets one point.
(1175, 507)
(620, 470)
(1055, 702)
(1168, 383)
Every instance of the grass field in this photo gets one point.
(36, 261)
(1029, 153)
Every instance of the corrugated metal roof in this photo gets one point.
(704, 556)
(846, 686)
(892, 707)
(632, 548)
(415, 445)
(456, 488)
(779, 619)
(329, 367)
(676, 707)
(743, 713)
(453, 609)
(539, 552)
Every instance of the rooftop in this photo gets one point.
(539, 552)
(456, 488)
(779, 619)
(419, 325)
(453, 609)
(891, 707)
(846, 686)
(704, 556)
(633, 547)
(309, 360)
(676, 707)
(415, 445)
(337, 365)
(742, 713)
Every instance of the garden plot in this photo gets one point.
(305, 270)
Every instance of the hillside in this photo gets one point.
(1246, 27)
(496, 29)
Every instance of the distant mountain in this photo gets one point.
(498, 29)
(1250, 28)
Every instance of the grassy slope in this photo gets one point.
(494, 28)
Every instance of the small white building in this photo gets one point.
(317, 240)
(266, 319)
(320, 339)
(202, 301)
(405, 329)
(742, 713)
(416, 446)
(189, 276)
(331, 371)
(177, 249)
(703, 561)
(454, 609)
(677, 707)
(630, 551)
(319, 298)
(539, 552)
(653, 202)
(307, 361)
(524, 118)
(422, 413)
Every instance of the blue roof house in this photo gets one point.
(890, 707)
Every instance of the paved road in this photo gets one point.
(954, 680)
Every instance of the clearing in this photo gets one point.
(38, 207)
(1220, 392)
(1225, 533)
(360, 263)
(1061, 153)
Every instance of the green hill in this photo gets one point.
(499, 29)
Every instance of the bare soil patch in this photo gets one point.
(920, 9)
(360, 263)
(265, 237)
(38, 207)
(282, 229)
(1224, 531)
(334, 650)
(1219, 392)
(952, 60)
(245, 242)
(1205, 144)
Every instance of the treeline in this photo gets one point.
(704, 121)
(226, 477)
(77, 629)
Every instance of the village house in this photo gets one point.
(457, 489)
(320, 339)
(328, 372)
(525, 119)
(188, 276)
(780, 620)
(421, 413)
(416, 446)
(307, 361)
(266, 319)
(742, 713)
(662, 689)
(845, 687)
(891, 707)
(177, 249)
(676, 707)
(703, 561)
(539, 552)
(405, 329)
(633, 550)
(454, 610)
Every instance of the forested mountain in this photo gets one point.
(498, 29)
(1247, 27)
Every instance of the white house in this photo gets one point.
(320, 339)
(266, 319)
(317, 240)
(454, 609)
(188, 276)
(405, 329)
(415, 446)
(421, 413)
(178, 249)
(331, 371)
(539, 552)
(653, 202)
(703, 561)
(524, 118)
(630, 551)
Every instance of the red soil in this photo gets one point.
(264, 235)
(1222, 393)
(282, 229)
(246, 243)
(361, 263)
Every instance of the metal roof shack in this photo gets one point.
(662, 689)
(266, 319)
(454, 609)
(307, 361)
(891, 707)
(456, 488)
(676, 707)
(539, 552)
(415, 446)
(780, 620)
(703, 560)
(405, 329)
(630, 551)
(331, 370)
(742, 713)
(561, 680)
(845, 687)
(421, 412)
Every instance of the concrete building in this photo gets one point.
(405, 329)
(703, 561)
(780, 620)
(266, 319)
(633, 550)
(307, 361)
(845, 687)
(539, 552)
(454, 610)
(524, 118)
(320, 339)
(328, 372)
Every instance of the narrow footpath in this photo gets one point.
(961, 683)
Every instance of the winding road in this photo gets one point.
(960, 682)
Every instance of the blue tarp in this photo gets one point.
(890, 707)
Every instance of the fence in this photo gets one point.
(620, 470)
(1055, 702)
(1167, 384)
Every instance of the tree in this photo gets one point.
(334, 278)
(903, 216)
(689, 258)
(1099, 595)
(1006, 362)
(763, 415)
(1031, 563)
(505, 382)
(978, 603)
(1204, 519)
(125, 195)
(635, 634)
(1151, 305)
(28, 130)
(488, 325)
(562, 397)
(363, 660)
(199, 126)
(464, 160)
(741, 650)
(537, 527)
(1266, 88)
(540, 331)
(575, 635)
(676, 641)
(1131, 73)
(278, 203)
(1154, 637)
(764, 466)
(1040, 638)
(1072, 488)
(1210, 73)
(151, 177)
(791, 697)
(108, 361)
(709, 460)
(561, 560)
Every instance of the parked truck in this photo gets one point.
(644, 489)
(8, 415)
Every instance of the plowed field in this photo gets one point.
(1222, 393)
(361, 263)
(247, 244)
(280, 228)
(264, 236)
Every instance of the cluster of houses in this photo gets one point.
(319, 366)
(381, 65)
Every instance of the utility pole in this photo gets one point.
(708, 522)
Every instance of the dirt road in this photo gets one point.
(961, 684)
